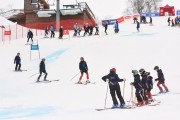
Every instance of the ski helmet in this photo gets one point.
(113, 69)
(156, 68)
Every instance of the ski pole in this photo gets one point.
(33, 75)
(106, 96)
(75, 75)
(123, 89)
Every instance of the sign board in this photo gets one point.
(7, 32)
(34, 47)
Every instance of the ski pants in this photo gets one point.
(163, 84)
(139, 95)
(29, 38)
(115, 90)
(41, 74)
(18, 66)
(87, 75)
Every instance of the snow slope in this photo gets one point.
(23, 99)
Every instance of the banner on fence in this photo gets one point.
(7, 32)
(154, 14)
(178, 12)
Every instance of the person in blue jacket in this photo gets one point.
(17, 61)
(116, 27)
(113, 79)
(42, 69)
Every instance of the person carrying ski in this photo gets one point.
(42, 69)
(113, 79)
(17, 61)
(138, 86)
(160, 79)
(83, 69)
(30, 36)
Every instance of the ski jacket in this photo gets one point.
(150, 82)
(30, 34)
(83, 66)
(137, 82)
(52, 29)
(160, 76)
(42, 66)
(17, 60)
(144, 82)
(113, 78)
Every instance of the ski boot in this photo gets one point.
(122, 105)
(114, 106)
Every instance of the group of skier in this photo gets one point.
(143, 82)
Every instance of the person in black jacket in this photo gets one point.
(42, 69)
(105, 27)
(138, 86)
(83, 69)
(30, 35)
(144, 85)
(160, 79)
(150, 85)
(61, 32)
(113, 79)
(17, 61)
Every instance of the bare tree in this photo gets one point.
(139, 6)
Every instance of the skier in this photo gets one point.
(138, 86)
(150, 85)
(150, 21)
(79, 29)
(113, 79)
(42, 69)
(169, 19)
(17, 61)
(91, 29)
(86, 29)
(144, 86)
(52, 31)
(83, 69)
(105, 27)
(61, 32)
(116, 27)
(160, 79)
(46, 31)
(138, 25)
(29, 35)
(97, 30)
(75, 29)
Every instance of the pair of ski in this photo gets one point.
(110, 108)
(19, 70)
(85, 83)
(47, 81)
(164, 93)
